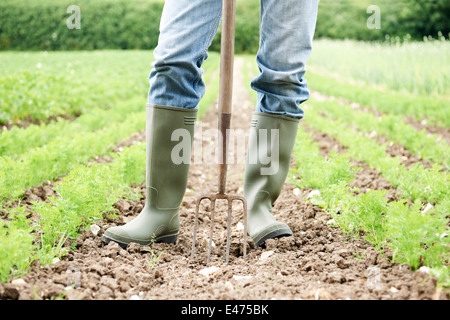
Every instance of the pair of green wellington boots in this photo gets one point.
(166, 180)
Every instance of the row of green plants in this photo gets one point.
(85, 193)
(19, 140)
(420, 107)
(415, 237)
(211, 79)
(62, 154)
(426, 146)
(37, 86)
(417, 182)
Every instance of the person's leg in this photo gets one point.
(186, 31)
(286, 33)
(176, 87)
(287, 29)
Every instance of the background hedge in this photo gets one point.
(105, 24)
(112, 24)
(134, 24)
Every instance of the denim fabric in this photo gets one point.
(187, 30)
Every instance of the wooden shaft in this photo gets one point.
(227, 56)
(226, 84)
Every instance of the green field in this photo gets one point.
(78, 105)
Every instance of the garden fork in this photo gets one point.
(225, 103)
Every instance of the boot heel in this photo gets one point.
(168, 239)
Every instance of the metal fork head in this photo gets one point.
(213, 198)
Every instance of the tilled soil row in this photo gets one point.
(47, 189)
(442, 133)
(318, 262)
(27, 122)
(366, 178)
(394, 149)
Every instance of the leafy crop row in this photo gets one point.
(430, 185)
(83, 195)
(18, 141)
(426, 146)
(61, 155)
(415, 237)
(37, 86)
(384, 100)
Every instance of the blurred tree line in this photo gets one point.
(414, 19)
(134, 24)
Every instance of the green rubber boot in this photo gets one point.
(169, 136)
(269, 151)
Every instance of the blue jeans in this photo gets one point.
(187, 30)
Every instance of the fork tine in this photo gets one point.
(230, 205)
(213, 204)
(244, 207)
(197, 210)
(194, 238)
(213, 198)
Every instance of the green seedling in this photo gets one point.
(154, 258)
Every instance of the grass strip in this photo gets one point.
(417, 67)
(250, 70)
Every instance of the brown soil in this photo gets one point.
(23, 123)
(318, 262)
(443, 133)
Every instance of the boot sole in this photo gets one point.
(163, 239)
(274, 234)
